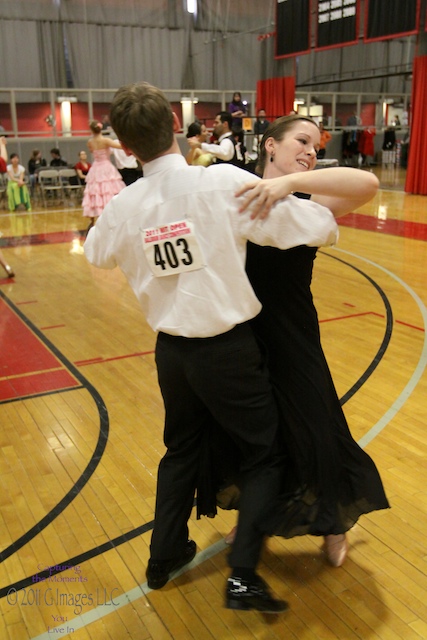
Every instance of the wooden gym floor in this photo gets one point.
(81, 438)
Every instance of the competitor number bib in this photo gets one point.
(172, 248)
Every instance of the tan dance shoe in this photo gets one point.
(336, 549)
(229, 538)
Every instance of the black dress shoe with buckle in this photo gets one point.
(158, 572)
(252, 595)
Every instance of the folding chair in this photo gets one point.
(50, 186)
(70, 182)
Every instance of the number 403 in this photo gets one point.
(169, 255)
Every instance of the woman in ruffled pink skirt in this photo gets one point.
(103, 180)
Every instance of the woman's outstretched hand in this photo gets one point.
(262, 194)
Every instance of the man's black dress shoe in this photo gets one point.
(249, 595)
(158, 572)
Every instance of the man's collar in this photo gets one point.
(164, 163)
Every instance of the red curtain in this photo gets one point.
(276, 96)
(416, 175)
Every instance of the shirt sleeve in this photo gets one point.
(291, 223)
(224, 150)
(98, 247)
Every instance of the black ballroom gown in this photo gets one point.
(328, 481)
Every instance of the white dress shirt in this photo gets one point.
(123, 161)
(193, 283)
(224, 150)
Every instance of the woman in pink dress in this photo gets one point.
(103, 180)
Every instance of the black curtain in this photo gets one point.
(292, 27)
(390, 18)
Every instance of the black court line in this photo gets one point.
(387, 332)
(116, 542)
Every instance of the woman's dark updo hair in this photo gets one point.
(194, 129)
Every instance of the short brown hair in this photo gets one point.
(142, 118)
(277, 130)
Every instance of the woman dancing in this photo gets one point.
(330, 481)
(103, 180)
(196, 134)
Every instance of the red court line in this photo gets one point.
(27, 366)
(371, 313)
(82, 363)
(53, 326)
(353, 315)
(403, 228)
(100, 360)
(411, 326)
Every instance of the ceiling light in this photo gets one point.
(192, 6)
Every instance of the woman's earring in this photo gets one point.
(271, 158)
